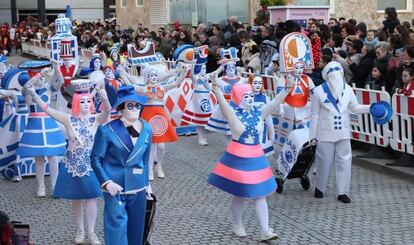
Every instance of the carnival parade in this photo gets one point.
(194, 134)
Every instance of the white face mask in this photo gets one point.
(85, 105)
(130, 113)
(257, 85)
(203, 70)
(115, 56)
(109, 74)
(299, 69)
(97, 64)
(153, 77)
(231, 70)
(247, 101)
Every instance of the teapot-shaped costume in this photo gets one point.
(296, 57)
(218, 121)
(42, 136)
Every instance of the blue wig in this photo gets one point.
(88, 70)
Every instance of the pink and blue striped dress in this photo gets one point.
(243, 169)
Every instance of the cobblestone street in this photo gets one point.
(192, 212)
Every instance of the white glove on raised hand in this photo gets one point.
(113, 188)
(290, 82)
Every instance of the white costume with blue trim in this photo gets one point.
(330, 125)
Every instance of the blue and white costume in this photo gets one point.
(217, 121)
(76, 179)
(42, 136)
(259, 101)
(11, 130)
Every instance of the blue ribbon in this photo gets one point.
(330, 96)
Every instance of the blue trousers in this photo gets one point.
(124, 222)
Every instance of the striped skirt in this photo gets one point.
(243, 171)
(41, 137)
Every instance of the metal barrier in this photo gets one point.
(363, 127)
(402, 123)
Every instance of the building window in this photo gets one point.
(124, 3)
(313, 2)
(397, 4)
(140, 2)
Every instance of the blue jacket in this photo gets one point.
(114, 157)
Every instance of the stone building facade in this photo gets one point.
(153, 13)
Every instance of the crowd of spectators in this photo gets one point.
(378, 57)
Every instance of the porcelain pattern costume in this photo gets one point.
(118, 161)
(331, 104)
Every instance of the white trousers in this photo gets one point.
(326, 154)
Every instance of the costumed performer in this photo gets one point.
(199, 110)
(76, 180)
(120, 161)
(330, 127)
(11, 129)
(154, 113)
(115, 59)
(260, 100)
(42, 136)
(243, 170)
(218, 121)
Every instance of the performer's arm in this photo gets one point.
(179, 78)
(106, 107)
(355, 107)
(55, 114)
(98, 154)
(58, 80)
(236, 126)
(273, 106)
(315, 110)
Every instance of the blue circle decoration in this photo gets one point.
(308, 124)
(205, 105)
(282, 140)
(289, 156)
(275, 121)
(227, 89)
(276, 136)
(301, 126)
(81, 169)
(285, 125)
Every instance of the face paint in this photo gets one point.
(97, 64)
(85, 105)
(299, 69)
(109, 74)
(131, 111)
(153, 77)
(247, 100)
(257, 84)
(203, 70)
(231, 70)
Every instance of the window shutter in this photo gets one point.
(159, 12)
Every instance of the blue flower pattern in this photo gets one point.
(251, 119)
(77, 157)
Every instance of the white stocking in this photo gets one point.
(78, 213)
(237, 210)
(53, 170)
(151, 158)
(201, 132)
(91, 213)
(160, 153)
(40, 170)
(262, 212)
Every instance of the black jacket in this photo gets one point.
(362, 71)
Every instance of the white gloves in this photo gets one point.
(113, 188)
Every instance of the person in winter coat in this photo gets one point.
(362, 71)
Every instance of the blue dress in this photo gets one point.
(11, 129)
(42, 136)
(243, 169)
(76, 179)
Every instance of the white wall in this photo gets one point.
(87, 14)
(4, 4)
(27, 4)
(61, 4)
(5, 16)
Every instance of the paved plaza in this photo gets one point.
(192, 212)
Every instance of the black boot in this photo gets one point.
(344, 198)
(318, 193)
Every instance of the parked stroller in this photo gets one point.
(295, 159)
